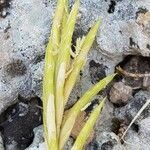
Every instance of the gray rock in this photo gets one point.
(23, 34)
(38, 142)
(1, 143)
(129, 111)
(134, 140)
(120, 93)
(120, 32)
(119, 147)
(144, 128)
(108, 140)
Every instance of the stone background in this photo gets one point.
(24, 30)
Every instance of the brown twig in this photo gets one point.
(133, 75)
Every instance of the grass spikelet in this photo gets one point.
(85, 132)
(60, 77)
(85, 45)
(61, 65)
(81, 103)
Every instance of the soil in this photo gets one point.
(18, 121)
(4, 5)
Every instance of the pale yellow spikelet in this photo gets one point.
(81, 103)
(60, 75)
(56, 26)
(62, 62)
(83, 46)
(48, 100)
(49, 121)
(88, 127)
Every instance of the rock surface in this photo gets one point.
(24, 31)
(38, 142)
(23, 34)
(120, 93)
(131, 109)
(1, 143)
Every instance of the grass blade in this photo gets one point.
(48, 100)
(48, 80)
(85, 132)
(81, 103)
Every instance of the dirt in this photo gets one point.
(97, 71)
(17, 123)
(4, 5)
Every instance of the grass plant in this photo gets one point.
(60, 75)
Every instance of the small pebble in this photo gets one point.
(120, 93)
(4, 13)
(2, 2)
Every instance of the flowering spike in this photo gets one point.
(80, 59)
(62, 62)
